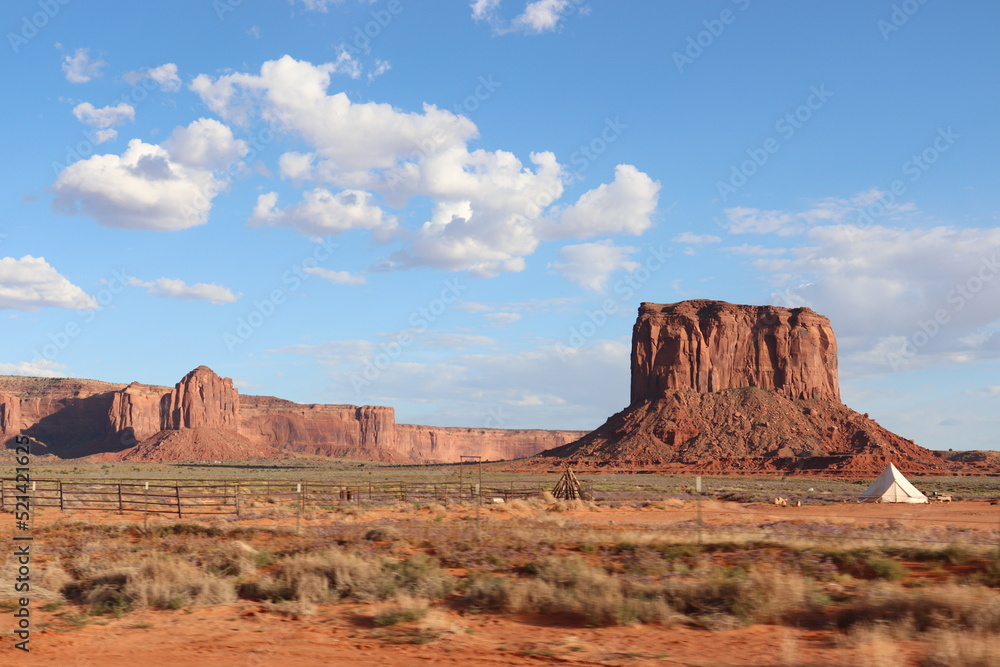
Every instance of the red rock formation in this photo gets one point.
(718, 387)
(371, 432)
(139, 408)
(203, 399)
(709, 346)
(10, 417)
(431, 444)
(204, 417)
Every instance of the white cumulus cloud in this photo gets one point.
(79, 68)
(898, 297)
(165, 77)
(696, 239)
(336, 277)
(149, 186)
(109, 116)
(44, 368)
(174, 288)
(489, 209)
(591, 264)
(537, 16)
(624, 206)
(31, 283)
(322, 212)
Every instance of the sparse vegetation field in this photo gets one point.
(826, 583)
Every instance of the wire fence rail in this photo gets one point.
(209, 497)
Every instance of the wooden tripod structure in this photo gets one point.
(568, 487)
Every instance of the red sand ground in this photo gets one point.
(247, 634)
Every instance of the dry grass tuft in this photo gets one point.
(174, 583)
(168, 582)
(50, 583)
(716, 599)
(382, 534)
(951, 648)
(236, 559)
(945, 607)
(405, 609)
(334, 575)
(876, 647)
(569, 585)
(764, 596)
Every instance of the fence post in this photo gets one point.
(298, 517)
(121, 507)
(177, 489)
(237, 492)
(697, 487)
(145, 509)
(61, 506)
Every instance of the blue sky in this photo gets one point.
(455, 208)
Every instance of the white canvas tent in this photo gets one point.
(892, 487)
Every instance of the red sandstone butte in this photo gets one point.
(725, 388)
(709, 346)
(203, 399)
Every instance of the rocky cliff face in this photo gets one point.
(718, 387)
(435, 444)
(204, 417)
(709, 346)
(203, 399)
(10, 417)
(140, 409)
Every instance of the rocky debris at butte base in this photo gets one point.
(725, 388)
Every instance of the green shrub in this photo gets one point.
(887, 568)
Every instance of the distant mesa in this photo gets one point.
(725, 388)
(205, 418)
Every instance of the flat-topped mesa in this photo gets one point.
(202, 399)
(708, 346)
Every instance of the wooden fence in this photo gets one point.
(213, 497)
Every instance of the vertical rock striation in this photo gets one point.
(203, 399)
(10, 417)
(139, 409)
(708, 346)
